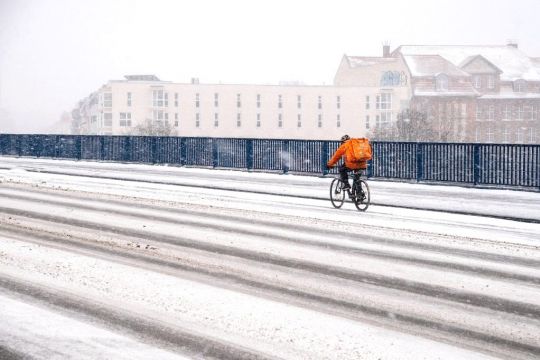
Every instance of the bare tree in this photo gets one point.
(410, 125)
(153, 128)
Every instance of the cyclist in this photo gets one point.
(345, 149)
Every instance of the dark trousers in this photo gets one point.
(343, 170)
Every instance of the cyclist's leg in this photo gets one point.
(343, 174)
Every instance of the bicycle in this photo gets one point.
(358, 193)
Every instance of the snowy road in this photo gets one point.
(134, 261)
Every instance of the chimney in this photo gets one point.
(386, 51)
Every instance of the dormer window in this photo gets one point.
(441, 82)
(520, 85)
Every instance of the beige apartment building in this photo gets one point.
(238, 111)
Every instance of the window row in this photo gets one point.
(507, 112)
(160, 98)
(507, 135)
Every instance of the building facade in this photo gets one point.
(466, 93)
(226, 110)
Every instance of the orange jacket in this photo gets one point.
(346, 149)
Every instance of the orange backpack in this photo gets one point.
(361, 150)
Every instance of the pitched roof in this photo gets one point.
(471, 58)
(513, 63)
(432, 65)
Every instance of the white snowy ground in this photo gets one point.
(38, 200)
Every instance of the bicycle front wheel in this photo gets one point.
(362, 196)
(337, 194)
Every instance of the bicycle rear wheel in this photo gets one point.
(362, 196)
(337, 194)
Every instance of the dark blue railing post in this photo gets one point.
(249, 154)
(419, 162)
(153, 146)
(128, 149)
(78, 147)
(183, 151)
(538, 166)
(324, 157)
(56, 146)
(18, 145)
(215, 154)
(101, 147)
(476, 164)
(38, 145)
(286, 156)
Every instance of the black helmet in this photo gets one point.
(345, 138)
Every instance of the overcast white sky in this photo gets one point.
(55, 52)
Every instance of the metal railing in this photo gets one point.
(497, 165)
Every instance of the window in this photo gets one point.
(478, 112)
(238, 120)
(490, 116)
(519, 135)
(258, 120)
(258, 100)
(107, 100)
(527, 112)
(491, 82)
(477, 81)
(521, 112)
(160, 115)
(532, 136)
(319, 123)
(176, 123)
(216, 100)
(197, 100)
(299, 123)
(299, 101)
(238, 100)
(197, 119)
(338, 120)
(506, 135)
(384, 102)
(280, 103)
(107, 119)
(128, 99)
(176, 99)
(280, 120)
(338, 102)
(477, 135)
(216, 119)
(319, 103)
(125, 119)
(367, 102)
(489, 134)
(390, 78)
(441, 82)
(367, 121)
(520, 86)
(160, 98)
(507, 112)
(386, 118)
